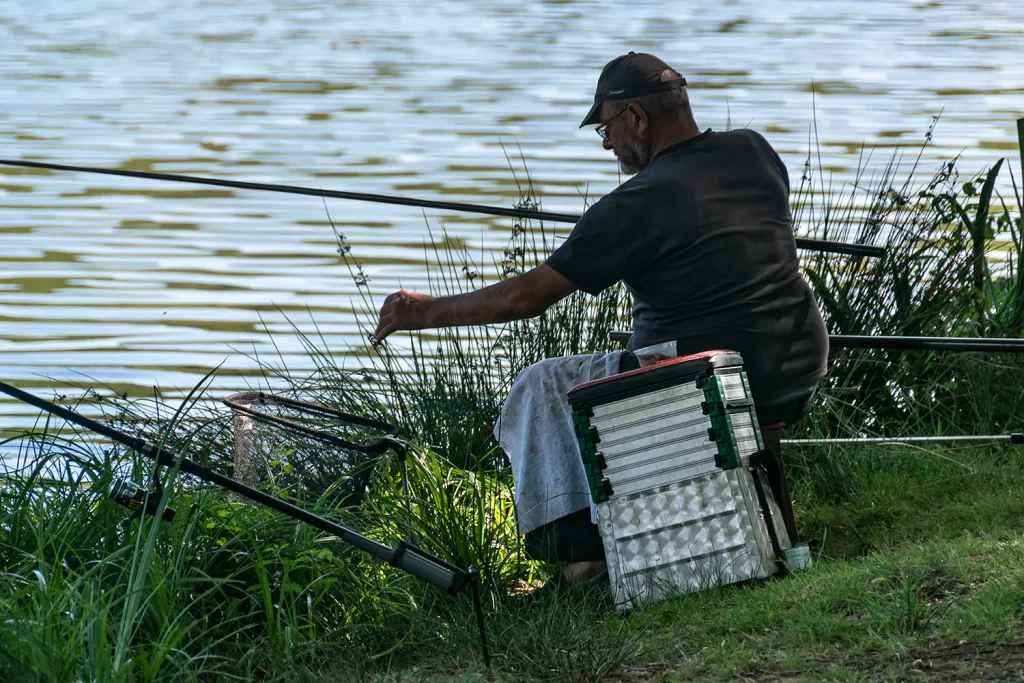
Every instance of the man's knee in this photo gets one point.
(546, 372)
(543, 368)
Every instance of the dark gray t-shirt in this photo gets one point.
(703, 239)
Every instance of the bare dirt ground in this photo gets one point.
(964, 662)
(942, 662)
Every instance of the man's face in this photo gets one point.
(629, 145)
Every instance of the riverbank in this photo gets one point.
(918, 571)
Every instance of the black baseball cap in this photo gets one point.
(630, 75)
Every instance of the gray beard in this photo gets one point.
(638, 158)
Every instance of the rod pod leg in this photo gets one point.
(776, 471)
(403, 453)
(474, 586)
(757, 469)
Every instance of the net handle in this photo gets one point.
(377, 446)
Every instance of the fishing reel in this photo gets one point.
(139, 500)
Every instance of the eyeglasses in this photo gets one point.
(602, 130)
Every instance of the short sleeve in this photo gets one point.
(603, 248)
(779, 163)
(782, 167)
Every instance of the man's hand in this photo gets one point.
(402, 310)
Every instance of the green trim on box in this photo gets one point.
(587, 440)
(714, 409)
(725, 439)
(714, 392)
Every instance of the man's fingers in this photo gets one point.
(384, 322)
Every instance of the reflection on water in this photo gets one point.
(136, 283)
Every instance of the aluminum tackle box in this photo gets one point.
(667, 454)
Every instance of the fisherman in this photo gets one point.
(702, 237)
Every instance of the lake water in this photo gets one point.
(131, 284)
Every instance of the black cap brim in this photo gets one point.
(593, 116)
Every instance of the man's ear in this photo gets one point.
(643, 120)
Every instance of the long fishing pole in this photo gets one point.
(801, 242)
(960, 344)
(895, 343)
(1016, 439)
(420, 564)
(404, 556)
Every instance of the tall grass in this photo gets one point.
(952, 268)
(232, 591)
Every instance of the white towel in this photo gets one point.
(535, 429)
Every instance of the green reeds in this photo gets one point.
(952, 269)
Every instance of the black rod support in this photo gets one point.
(801, 242)
(420, 564)
(474, 577)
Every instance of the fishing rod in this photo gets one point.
(896, 343)
(1016, 439)
(801, 242)
(992, 345)
(421, 564)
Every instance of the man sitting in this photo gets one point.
(702, 237)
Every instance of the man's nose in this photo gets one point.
(607, 144)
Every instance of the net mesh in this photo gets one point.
(310, 449)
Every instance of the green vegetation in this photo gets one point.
(919, 563)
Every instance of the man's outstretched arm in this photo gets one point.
(524, 296)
